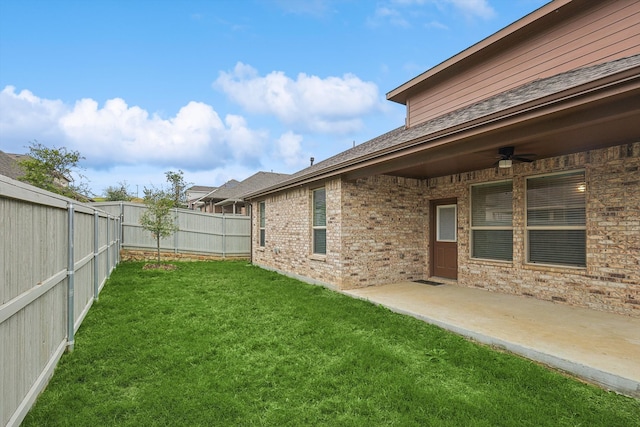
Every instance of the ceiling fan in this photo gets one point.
(506, 157)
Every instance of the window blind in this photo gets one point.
(556, 219)
(262, 223)
(492, 221)
(319, 221)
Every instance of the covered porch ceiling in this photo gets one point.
(600, 118)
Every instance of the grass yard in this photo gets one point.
(229, 344)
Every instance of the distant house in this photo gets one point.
(206, 203)
(517, 171)
(196, 192)
(229, 197)
(9, 165)
(234, 202)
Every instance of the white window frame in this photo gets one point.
(455, 227)
(528, 228)
(318, 227)
(473, 227)
(262, 222)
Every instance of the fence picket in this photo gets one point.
(57, 255)
(50, 253)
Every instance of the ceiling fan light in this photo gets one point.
(505, 163)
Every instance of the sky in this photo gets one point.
(219, 89)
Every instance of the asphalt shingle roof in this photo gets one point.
(9, 165)
(201, 188)
(255, 182)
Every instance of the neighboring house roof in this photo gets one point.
(514, 99)
(218, 193)
(201, 188)
(254, 183)
(9, 165)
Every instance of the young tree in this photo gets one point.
(178, 188)
(158, 218)
(54, 169)
(118, 193)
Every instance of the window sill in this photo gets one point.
(497, 262)
(260, 249)
(555, 268)
(318, 257)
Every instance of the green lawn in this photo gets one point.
(226, 344)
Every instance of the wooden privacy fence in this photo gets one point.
(56, 255)
(199, 233)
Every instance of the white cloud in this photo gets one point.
(388, 14)
(25, 117)
(289, 149)
(119, 134)
(132, 134)
(245, 144)
(332, 104)
(437, 25)
(470, 8)
(474, 8)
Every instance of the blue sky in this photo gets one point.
(222, 88)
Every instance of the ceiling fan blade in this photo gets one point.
(522, 159)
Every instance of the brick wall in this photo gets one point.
(288, 235)
(378, 232)
(383, 231)
(611, 281)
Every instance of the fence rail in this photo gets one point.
(56, 255)
(198, 233)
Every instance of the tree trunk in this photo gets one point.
(158, 243)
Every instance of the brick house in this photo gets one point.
(517, 171)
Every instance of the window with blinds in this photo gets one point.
(492, 221)
(556, 219)
(261, 208)
(319, 221)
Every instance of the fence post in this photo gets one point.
(108, 246)
(118, 246)
(176, 221)
(70, 281)
(96, 253)
(121, 224)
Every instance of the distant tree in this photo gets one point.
(118, 193)
(158, 218)
(54, 169)
(178, 188)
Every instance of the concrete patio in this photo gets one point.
(598, 347)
